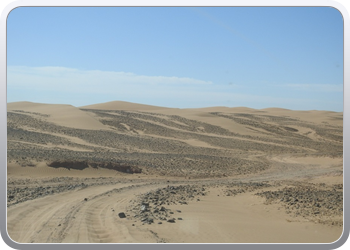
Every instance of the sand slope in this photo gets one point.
(120, 105)
(63, 115)
(225, 175)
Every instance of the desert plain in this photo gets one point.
(122, 172)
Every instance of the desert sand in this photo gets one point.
(122, 172)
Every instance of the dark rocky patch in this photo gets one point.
(235, 188)
(153, 205)
(80, 165)
(317, 203)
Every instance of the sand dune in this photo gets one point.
(120, 105)
(227, 109)
(63, 115)
(206, 175)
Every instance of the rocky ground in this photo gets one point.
(319, 203)
(152, 207)
(20, 190)
(157, 143)
(181, 161)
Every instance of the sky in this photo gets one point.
(181, 57)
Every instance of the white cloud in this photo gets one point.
(84, 87)
(316, 87)
(83, 80)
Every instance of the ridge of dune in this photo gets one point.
(59, 114)
(121, 105)
(272, 109)
(314, 116)
(23, 105)
(275, 109)
(224, 109)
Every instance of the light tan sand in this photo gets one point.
(241, 219)
(68, 218)
(120, 105)
(64, 115)
(216, 218)
(315, 116)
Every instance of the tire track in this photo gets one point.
(68, 217)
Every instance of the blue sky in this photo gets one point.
(258, 57)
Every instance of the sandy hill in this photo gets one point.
(226, 109)
(120, 105)
(60, 114)
(152, 134)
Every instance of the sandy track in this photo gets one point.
(67, 217)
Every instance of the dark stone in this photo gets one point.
(146, 204)
(121, 215)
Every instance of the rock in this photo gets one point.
(85, 199)
(171, 220)
(121, 215)
(146, 204)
